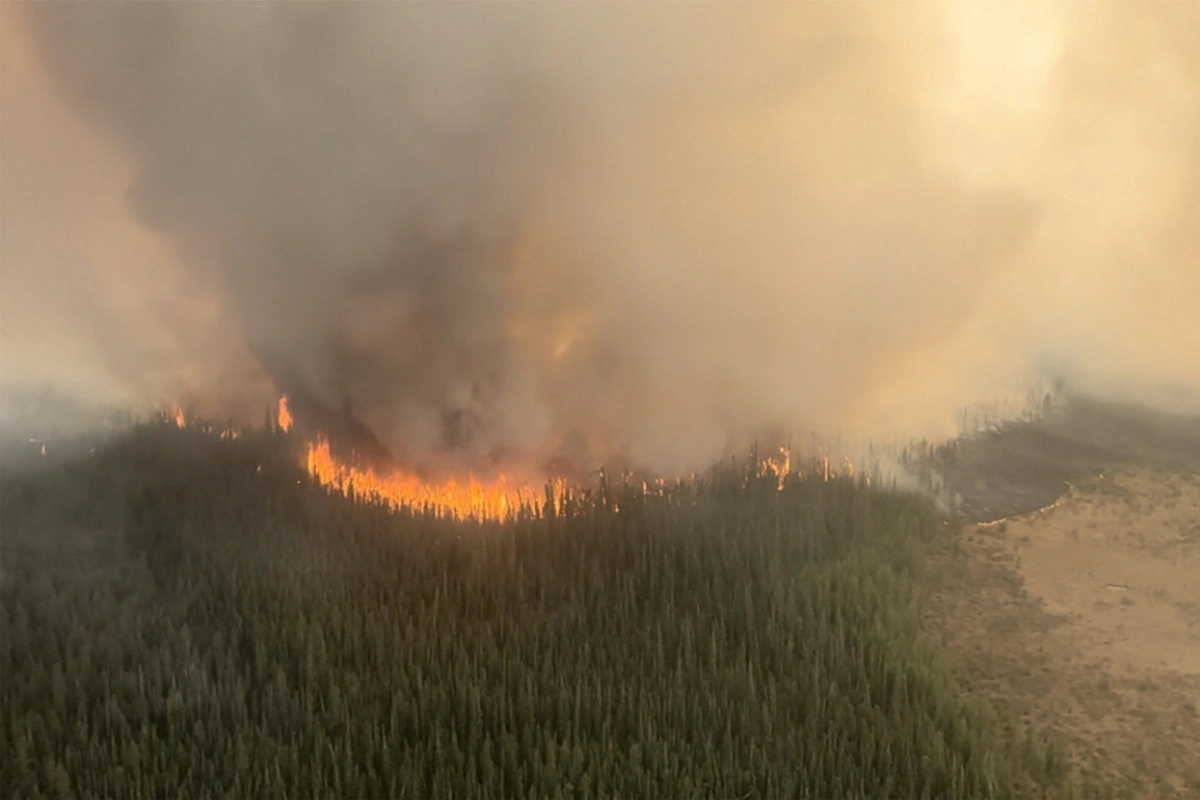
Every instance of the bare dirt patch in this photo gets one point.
(1083, 621)
(1121, 557)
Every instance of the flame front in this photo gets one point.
(468, 499)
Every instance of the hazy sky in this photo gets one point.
(628, 230)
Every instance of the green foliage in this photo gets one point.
(186, 616)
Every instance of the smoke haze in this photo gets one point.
(602, 231)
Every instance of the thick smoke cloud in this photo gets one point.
(635, 232)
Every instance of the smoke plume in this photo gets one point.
(587, 232)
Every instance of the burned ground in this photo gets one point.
(1025, 466)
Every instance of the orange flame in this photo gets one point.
(780, 467)
(468, 499)
(284, 415)
(179, 417)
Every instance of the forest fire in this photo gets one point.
(467, 498)
(180, 419)
(283, 416)
(458, 499)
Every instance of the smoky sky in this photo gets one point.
(633, 231)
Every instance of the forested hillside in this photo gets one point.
(190, 616)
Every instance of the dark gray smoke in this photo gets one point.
(528, 231)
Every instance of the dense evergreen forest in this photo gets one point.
(186, 616)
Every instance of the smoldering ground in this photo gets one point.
(610, 231)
